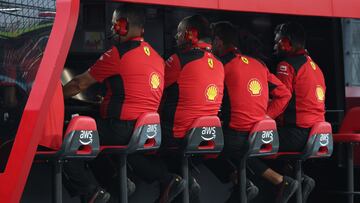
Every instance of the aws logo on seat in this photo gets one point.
(151, 131)
(324, 139)
(267, 136)
(254, 87)
(208, 133)
(86, 137)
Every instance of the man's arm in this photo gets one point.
(172, 70)
(286, 73)
(280, 95)
(78, 84)
(104, 67)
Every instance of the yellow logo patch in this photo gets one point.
(154, 81)
(254, 87)
(211, 92)
(320, 93)
(147, 50)
(211, 62)
(313, 65)
(245, 60)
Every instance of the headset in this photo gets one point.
(121, 27)
(192, 35)
(284, 42)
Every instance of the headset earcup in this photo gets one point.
(121, 27)
(192, 35)
(285, 44)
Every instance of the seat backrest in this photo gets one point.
(205, 136)
(350, 124)
(147, 133)
(263, 138)
(320, 141)
(81, 139)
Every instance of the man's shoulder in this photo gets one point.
(296, 62)
(127, 46)
(189, 56)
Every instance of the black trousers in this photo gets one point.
(291, 139)
(79, 176)
(235, 147)
(165, 163)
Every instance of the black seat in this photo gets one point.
(319, 145)
(204, 137)
(81, 141)
(146, 137)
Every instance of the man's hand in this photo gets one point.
(78, 84)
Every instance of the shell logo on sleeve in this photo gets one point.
(155, 81)
(320, 93)
(147, 50)
(254, 87)
(211, 92)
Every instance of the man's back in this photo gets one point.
(247, 92)
(194, 88)
(133, 74)
(307, 85)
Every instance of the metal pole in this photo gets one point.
(298, 175)
(57, 184)
(350, 172)
(123, 179)
(242, 181)
(185, 174)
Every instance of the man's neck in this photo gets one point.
(227, 49)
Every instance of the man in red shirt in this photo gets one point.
(248, 84)
(133, 74)
(194, 80)
(305, 80)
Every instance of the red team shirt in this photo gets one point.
(193, 88)
(133, 73)
(306, 82)
(248, 83)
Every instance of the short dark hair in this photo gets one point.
(135, 14)
(294, 31)
(227, 32)
(200, 23)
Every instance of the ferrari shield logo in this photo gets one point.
(211, 62)
(147, 51)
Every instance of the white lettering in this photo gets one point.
(324, 139)
(86, 137)
(267, 136)
(151, 131)
(208, 133)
